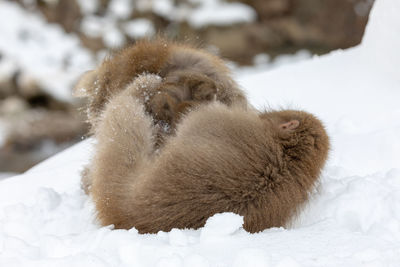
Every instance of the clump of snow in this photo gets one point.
(113, 37)
(221, 225)
(121, 8)
(200, 13)
(164, 8)
(353, 218)
(216, 12)
(88, 6)
(104, 27)
(41, 50)
(139, 28)
(93, 26)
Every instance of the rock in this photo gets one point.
(282, 26)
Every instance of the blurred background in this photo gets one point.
(46, 44)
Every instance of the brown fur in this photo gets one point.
(221, 159)
(189, 75)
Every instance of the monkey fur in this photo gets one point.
(189, 76)
(261, 165)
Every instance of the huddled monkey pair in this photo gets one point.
(177, 142)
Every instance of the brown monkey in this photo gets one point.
(221, 159)
(188, 75)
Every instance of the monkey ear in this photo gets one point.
(289, 126)
(202, 89)
(85, 84)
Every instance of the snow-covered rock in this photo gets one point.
(40, 50)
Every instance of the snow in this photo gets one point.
(200, 13)
(93, 26)
(121, 8)
(118, 21)
(4, 175)
(88, 6)
(221, 225)
(139, 28)
(353, 218)
(42, 50)
(215, 12)
(263, 62)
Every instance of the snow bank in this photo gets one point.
(355, 92)
(381, 42)
(352, 220)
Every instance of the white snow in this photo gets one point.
(139, 28)
(93, 26)
(216, 12)
(200, 13)
(263, 62)
(121, 8)
(88, 6)
(220, 226)
(353, 218)
(42, 51)
(4, 175)
(104, 27)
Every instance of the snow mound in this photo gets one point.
(381, 41)
(353, 218)
(221, 225)
(355, 92)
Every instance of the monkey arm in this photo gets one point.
(125, 142)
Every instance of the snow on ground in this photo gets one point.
(352, 220)
(42, 51)
(4, 175)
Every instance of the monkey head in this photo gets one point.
(302, 138)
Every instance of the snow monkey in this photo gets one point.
(189, 76)
(261, 165)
